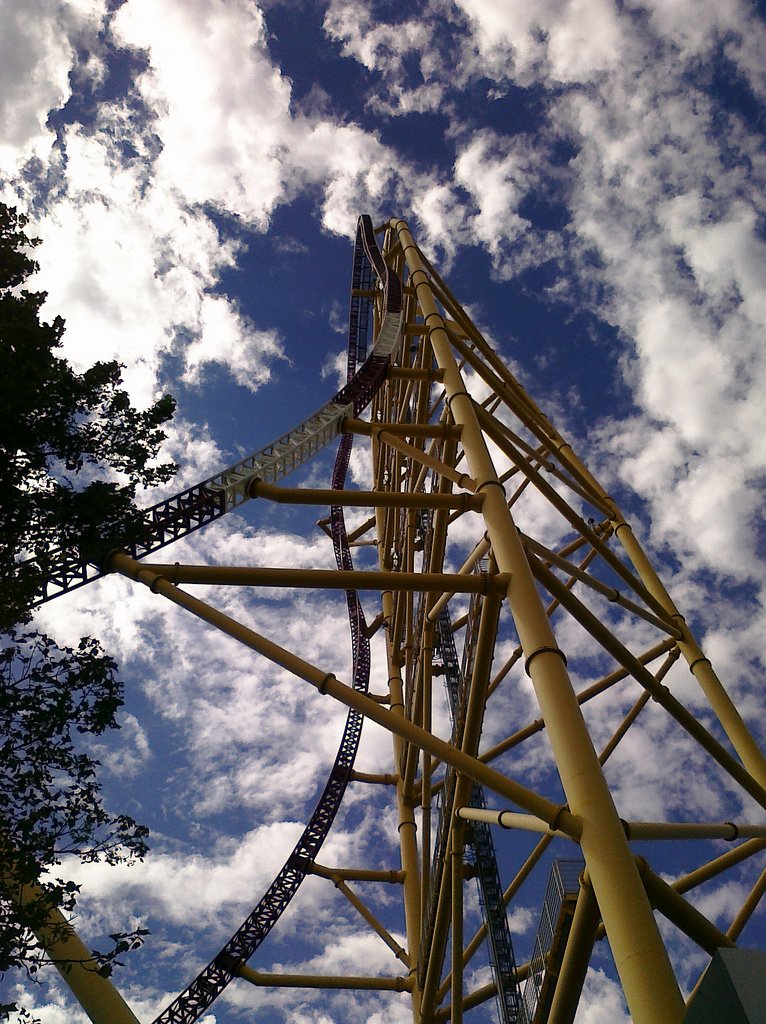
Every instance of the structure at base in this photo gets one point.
(491, 537)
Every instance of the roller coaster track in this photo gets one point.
(479, 840)
(65, 569)
(227, 491)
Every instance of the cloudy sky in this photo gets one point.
(590, 177)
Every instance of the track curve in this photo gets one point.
(355, 395)
(64, 570)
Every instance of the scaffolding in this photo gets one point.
(454, 440)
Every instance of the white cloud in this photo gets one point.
(602, 1001)
(221, 122)
(569, 40)
(227, 338)
(37, 53)
(384, 50)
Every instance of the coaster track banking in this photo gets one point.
(64, 569)
(188, 511)
(277, 460)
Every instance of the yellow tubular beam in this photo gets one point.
(457, 924)
(356, 874)
(372, 921)
(719, 700)
(748, 907)
(372, 779)
(508, 820)
(62, 945)
(414, 373)
(407, 829)
(262, 978)
(367, 429)
(475, 998)
(434, 953)
(637, 708)
(372, 499)
(328, 684)
(715, 867)
(648, 981)
(681, 913)
(637, 830)
(329, 579)
(442, 468)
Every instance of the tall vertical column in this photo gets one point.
(648, 981)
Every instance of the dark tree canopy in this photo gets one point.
(72, 447)
(73, 450)
(50, 799)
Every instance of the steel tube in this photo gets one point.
(329, 579)
(364, 499)
(633, 934)
(263, 978)
(574, 963)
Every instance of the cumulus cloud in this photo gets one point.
(37, 53)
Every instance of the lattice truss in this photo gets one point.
(533, 662)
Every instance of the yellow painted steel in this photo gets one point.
(686, 917)
(371, 499)
(362, 983)
(456, 1002)
(439, 461)
(633, 934)
(329, 579)
(754, 897)
(97, 996)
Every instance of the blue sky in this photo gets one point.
(590, 178)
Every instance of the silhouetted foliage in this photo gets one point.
(50, 800)
(72, 447)
(72, 452)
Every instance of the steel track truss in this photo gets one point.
(572, 651)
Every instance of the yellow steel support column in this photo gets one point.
(62, 945)
(574, 964)
(457, 924)
(407, 828)
(650, 986)
(731, 720)
(362, 983)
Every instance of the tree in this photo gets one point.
(73, 450)
(72, 447)
(50, 799)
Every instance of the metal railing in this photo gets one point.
(550, 942)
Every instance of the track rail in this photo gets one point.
(65, 569)
(479, 841)
(230, 488)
